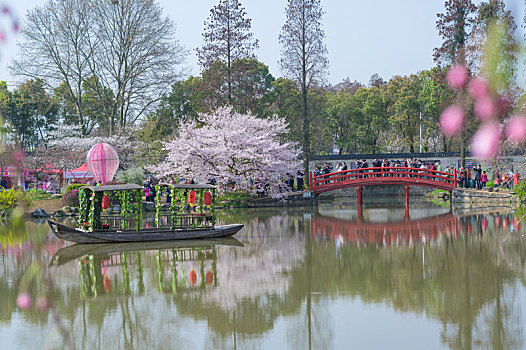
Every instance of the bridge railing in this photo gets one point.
(382, 176)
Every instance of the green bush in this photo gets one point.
(490, 184)
(131, 176)
(37, 195)
(236, 199)
(71, 198)
(520, 190)
(72, 187)
(12, 198)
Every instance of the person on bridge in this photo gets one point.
(299, 180)
(478, 173)
(462, 177)
(483, 179)
(385, 164)
(365, 165)
(324, 171)
(496, 178)
(376, 164)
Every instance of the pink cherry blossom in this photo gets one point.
(24, 300)
(485, 142)
(233, 148)
(451, 120)
(478, 88)
(457, 76)
(485, 108)
(516, 129)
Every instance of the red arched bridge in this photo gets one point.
(382, 176)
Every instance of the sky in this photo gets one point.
(388, 37)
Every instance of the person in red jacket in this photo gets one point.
(483, 179)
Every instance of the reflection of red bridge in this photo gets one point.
(382, 176)
(428, 229)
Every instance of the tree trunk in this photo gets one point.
(229, 65)
(444, 146)
(306, 136)
(463, 149)
(81, 124)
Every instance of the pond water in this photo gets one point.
(302, 278)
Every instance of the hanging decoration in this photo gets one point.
(105, 202)
(103, 162)
(191, 197)
(208, 198)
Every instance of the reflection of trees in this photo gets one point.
(468, 283)
(461, 283)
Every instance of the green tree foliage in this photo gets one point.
(402, 97)
(286, 103)
(496, 44)
(29, 111)
(184, 102)
(434, 97)
(374, 115)
(93, 106)
(356, 120)
(155, 129)
(250, 88)
(339, 111)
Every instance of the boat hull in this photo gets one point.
(147, 235)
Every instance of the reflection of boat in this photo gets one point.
(75, 251)
(192, 217)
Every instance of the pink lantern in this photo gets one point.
(103, 162)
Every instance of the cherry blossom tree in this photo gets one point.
(233, 148)
(68, 148)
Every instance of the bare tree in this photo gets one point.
(136, 55)
(55, 49)
(125, 46)
(227, 38)
(304, 55)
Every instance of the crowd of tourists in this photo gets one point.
(467, 177)
(377, 163)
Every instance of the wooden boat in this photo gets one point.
(180, 223)
(75, 251)
(144, 235)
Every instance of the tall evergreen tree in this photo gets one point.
(495, 44)
(227, 37)
(304, 55)
(455, 27)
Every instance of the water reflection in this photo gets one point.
(290, 281)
